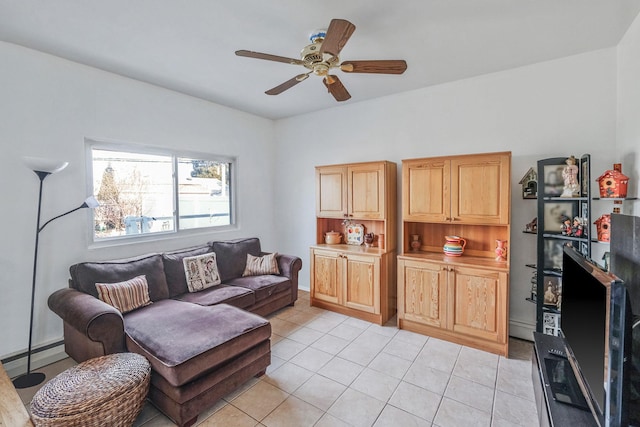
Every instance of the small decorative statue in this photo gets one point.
(368, 239)
(532, 227)
(570, 175)
(577, 228)
(566, 226)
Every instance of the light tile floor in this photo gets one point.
(328, 369)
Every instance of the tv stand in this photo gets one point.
(550, 411)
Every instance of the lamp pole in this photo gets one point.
(43, 168)
(33, 378)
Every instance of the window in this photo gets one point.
(144, 192)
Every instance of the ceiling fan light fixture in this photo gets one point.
(323, 55)
(318, 34)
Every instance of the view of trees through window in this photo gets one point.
(150, 193)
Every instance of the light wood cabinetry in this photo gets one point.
(347, 279)
(462, 189)
(351, 191)
(327, 268)
(465, 298)
(353, 279)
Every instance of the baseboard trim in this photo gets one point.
(521, 329)
(16, 364)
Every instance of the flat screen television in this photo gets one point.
(596, 325)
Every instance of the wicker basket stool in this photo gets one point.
(105, 391)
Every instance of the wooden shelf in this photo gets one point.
(464, 260)
(462, 299)
(356, 249)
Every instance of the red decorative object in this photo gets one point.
(613, 183)
(501, 250)
(603, 226)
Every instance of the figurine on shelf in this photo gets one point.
(577, 227)
(570, 175)
(566, 226)
(532, 227)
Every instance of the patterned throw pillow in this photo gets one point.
(125, 296)
(258, 265)
(201, 271)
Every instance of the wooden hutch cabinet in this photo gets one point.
(465, 298)
(355, 279)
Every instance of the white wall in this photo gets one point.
(556, 108)
(48, 106)
(629, 110)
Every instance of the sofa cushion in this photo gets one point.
(232, 255)
(201, 271)
(232, 295)
(125, 296)
(262, 286)
(257, 265)
(85, 275)
(184, 341)
(174, 268)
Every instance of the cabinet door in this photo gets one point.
(480, 189)
(425, 190)
(424, 292)
(326, 275)
(479, 303)
(366, 194)
(362, 283)
(331, 191)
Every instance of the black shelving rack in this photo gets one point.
(551, 237)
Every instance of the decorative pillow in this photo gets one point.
(125, 296)
(258, 265)
(201, 271)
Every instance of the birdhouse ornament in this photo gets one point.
(603, 227)
(613, 183)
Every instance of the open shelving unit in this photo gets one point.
(553, 234)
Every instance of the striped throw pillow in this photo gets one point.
(201, 271)
(125, 296)
(258, 265)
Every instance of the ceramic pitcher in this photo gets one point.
(454, 245)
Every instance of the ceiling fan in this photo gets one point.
(322, 55)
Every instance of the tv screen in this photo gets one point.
(596, 326)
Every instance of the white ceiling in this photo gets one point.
(189, 46)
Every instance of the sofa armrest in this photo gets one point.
(93, 319)
(290, 266)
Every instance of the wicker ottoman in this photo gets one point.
(105, 391)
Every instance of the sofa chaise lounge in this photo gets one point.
(202, 344)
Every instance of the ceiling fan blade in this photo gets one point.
(268, 57)
(287, 85)
(336, 88)
(388, 66)
(337, 36)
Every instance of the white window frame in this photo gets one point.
(91, 144)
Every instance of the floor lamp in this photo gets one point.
(43, 168)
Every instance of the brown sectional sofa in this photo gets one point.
(201, 345)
